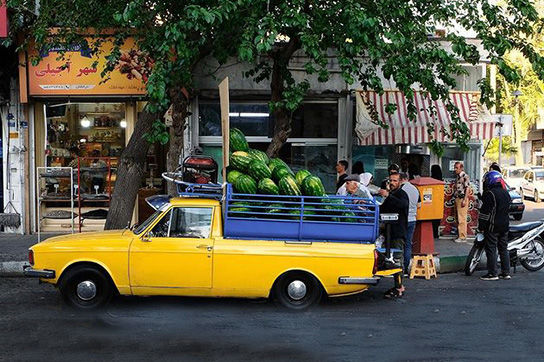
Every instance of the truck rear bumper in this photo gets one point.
(30, 272)
(356, 280)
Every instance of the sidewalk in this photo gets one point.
(14, 253)
(452, 256)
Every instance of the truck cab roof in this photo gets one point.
(159, 201)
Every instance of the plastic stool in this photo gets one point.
(423, 266)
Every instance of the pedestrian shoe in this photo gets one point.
(458, 240)
(489, 277)
(505, 276)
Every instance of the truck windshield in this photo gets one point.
(147, 222)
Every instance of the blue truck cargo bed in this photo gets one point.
(304, 218)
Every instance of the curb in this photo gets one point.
(455, 264)
(12, 268)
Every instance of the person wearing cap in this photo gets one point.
(363, 181)
(354, 188)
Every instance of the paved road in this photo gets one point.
(450, 318)
(533, 212)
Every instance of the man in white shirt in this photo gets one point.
(415, 203)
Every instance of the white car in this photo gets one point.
(532, 184)
(513, 176)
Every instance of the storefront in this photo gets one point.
(82, 122)
(314, 141)
(406, 142)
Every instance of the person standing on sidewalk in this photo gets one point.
(494, 222)
(396, 202)
(414, 204)
(461, 193)
(341, 169)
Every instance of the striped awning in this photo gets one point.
(401, 130)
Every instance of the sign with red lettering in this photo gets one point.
(79, 72)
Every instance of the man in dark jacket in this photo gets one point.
(396, 202)
(494, 223)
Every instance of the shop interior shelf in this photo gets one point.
(55, 174)
(55, 198)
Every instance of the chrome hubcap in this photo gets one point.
(296, 290)
(86, 290)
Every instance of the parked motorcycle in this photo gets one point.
(525, 245)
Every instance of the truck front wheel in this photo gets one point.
(297, 290)
(86, 287)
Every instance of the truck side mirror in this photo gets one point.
(145, 238)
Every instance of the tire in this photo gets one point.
(536, 197)
(521, 194)
(286, 288)
(517, 216)
(473, 258)
(86, 287)
(538, 252)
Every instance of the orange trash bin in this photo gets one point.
(431, 192)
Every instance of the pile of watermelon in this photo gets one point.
(253, 172)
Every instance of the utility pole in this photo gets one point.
(500, 124)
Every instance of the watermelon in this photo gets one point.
(345, 219)
(268, 187)
(233, 175)
(280, 172)
(308, 214)
(312, 186)
(301, 175)
(237, 140)
(277, 209)
(240, 160)
(288, 186)
(258, 170)
(258, 155)
(245, 184)
(244, 209)
(295, 213)
(276, 162)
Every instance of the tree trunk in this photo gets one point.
(180, 103)
(282, 119)
(129, 174)
(282, 116)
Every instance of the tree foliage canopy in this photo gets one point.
(371, 41)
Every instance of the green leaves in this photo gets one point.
(158, 133)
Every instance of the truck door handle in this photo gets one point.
(204, 246)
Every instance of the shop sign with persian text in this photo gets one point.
(78, 72)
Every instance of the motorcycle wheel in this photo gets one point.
(535, 260)
(473, 258)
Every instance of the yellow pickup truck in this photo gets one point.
(181, 250)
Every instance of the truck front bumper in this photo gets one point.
(30, 272)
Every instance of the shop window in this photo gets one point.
(82, 129)
(319, 159)
(315, 120)
(251, 119)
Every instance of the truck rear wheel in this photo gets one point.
(86, 287)
(297, 290)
